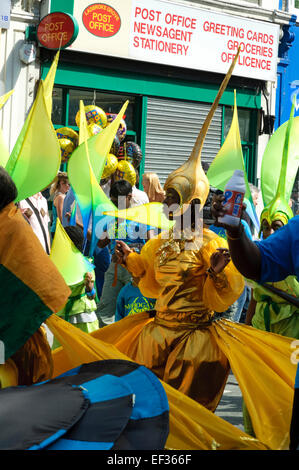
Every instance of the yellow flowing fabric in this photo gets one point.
(192, 427)
(259, 360)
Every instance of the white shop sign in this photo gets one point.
(168, 33)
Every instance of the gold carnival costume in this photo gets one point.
(178, 345)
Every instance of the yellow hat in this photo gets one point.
(190, 181)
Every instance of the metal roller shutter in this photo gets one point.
(171, 129)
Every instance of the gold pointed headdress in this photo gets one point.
(189, 180)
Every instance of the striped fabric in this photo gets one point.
(104, 405)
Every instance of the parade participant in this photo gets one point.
(131, 301)
(116, 276)
(81, 306)
(31, 290)
(58, 191)
(188, 271)
(267, 311)
(35, 209)
(152, 187)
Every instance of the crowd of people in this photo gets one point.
(185, 290)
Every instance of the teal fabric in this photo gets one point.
(54, 219)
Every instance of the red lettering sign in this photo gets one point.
(101, 20)
(57, 30)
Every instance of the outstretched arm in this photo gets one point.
(141, 265)
(244, 253)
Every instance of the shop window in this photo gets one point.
(247, 125)
(57, 107)
(244, 122)
(293, 7)
(66, 102)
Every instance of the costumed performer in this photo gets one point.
(81, 305)
(189, 272)
(191, 276)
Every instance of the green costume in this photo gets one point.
(79, 310)
(272, 313)
(278, 172)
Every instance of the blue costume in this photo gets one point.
(280, 253)
(130, 301)
(279, 259)
(67, 204)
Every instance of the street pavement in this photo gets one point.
(230, 406)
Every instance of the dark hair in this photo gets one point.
(8, 189)
(76, 235)
(120, 188)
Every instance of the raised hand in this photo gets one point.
(218, 210)
(121, 252)
(219, 259)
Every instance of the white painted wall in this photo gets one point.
(14, 74)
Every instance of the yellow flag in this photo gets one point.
(70, 262)
(35, 159)
(83, 131)
(229, 157)
(147, 214)
(49, 83)
(4, 152)
(5, 97)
